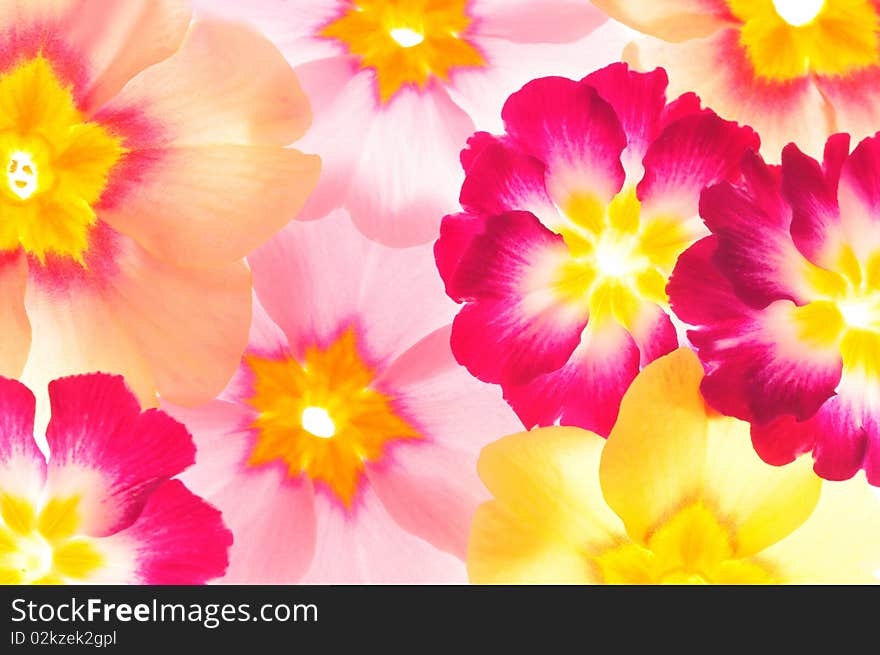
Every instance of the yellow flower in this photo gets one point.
(675, 495)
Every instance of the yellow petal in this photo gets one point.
(838, 544)
(77, 559)
(653, 461)
(505, 549)
(548, 479)
(760, 503)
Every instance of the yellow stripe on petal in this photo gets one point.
(60, 518)
(18, 514)
(77, 559)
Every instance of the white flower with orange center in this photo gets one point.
(397, 84)
(795, 70)
(128, 200)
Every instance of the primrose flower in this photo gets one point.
(572, 223)
(344, 450)
(795, 70)
(142, 159)
(784, 300)
(676, 495)
(103, 509)
(398, 85)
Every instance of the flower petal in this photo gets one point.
(674, 20)
(586, 391)
(691, 153)
(344, 279)
(212, 204)
(14, 324)
(398, 194)
(430, 487)
(654, 456)
(846, 520)
(513, 328)
(367, 546)
(529, 21)
(178, 539)
(717, 68)
(95, 421)
(233, 104)
(22, 465)
(574, 132)
(753, 226)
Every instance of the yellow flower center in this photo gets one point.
(323, 416)
(56, 163)
(846, 312)
(617, 259)
(787, 39)
(39, 544)
(407, 42)
(691, 547)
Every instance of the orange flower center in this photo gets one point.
(788, 39)
(407, 42)
(323, 416)
(56, 164)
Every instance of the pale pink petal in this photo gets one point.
(273, 519)
(526, 21)
(431, 487)
(407, 176)
(343, 100)
(345, 279)
(366, 546)
(510, 65)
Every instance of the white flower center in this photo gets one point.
(406, 37)
(798, 12)
(21, 174)
(317, 421)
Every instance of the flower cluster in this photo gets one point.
(429, 291)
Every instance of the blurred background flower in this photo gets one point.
(795, 70)
(398, 85)
(344, 450)
(143, 161)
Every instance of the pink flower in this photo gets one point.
(794, 70)
(143, 160)
(398, 85)
(344, 450)
(572, 223)
(784, 298)
(103, 509)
